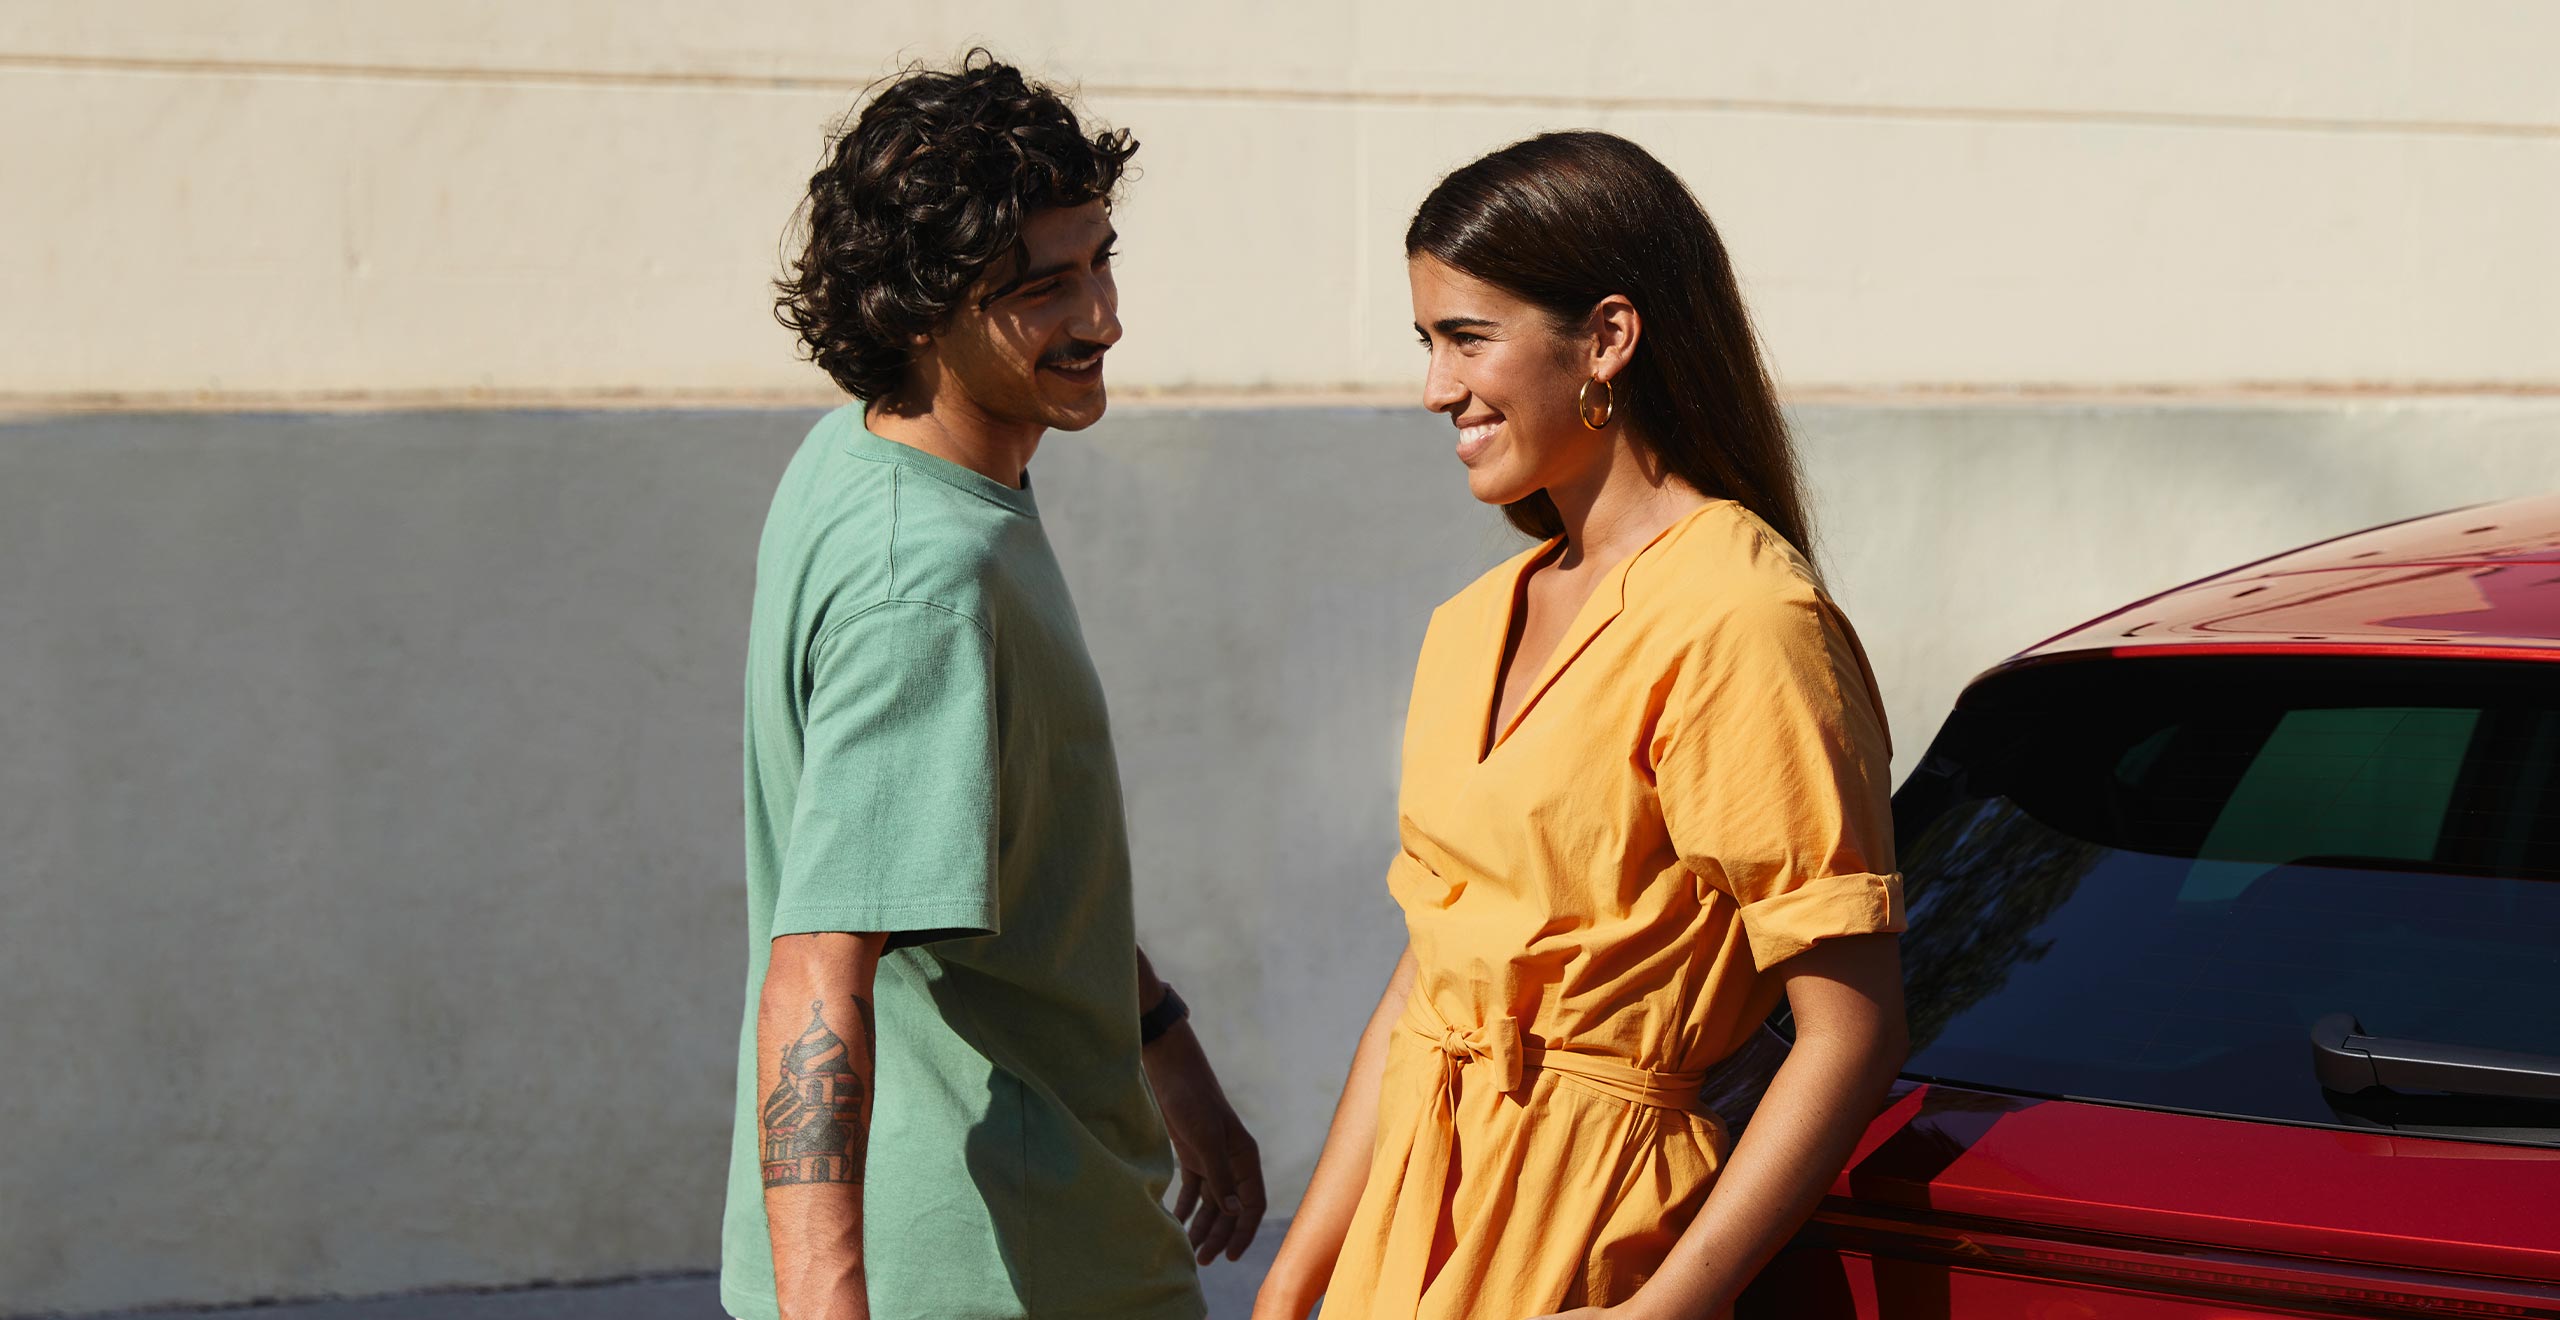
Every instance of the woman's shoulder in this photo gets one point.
(1722, 561)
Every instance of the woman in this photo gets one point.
(1644, 797)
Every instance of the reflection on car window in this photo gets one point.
(2150, 900)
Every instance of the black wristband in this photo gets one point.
(1160, 1019)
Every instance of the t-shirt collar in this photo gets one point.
(915, 460)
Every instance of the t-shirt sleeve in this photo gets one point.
(1772, 764)
(894, 828)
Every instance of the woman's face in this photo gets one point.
(1507, 379)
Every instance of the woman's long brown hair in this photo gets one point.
(1563, 220)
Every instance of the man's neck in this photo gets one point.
(957, 432)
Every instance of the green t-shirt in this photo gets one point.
(928, 755)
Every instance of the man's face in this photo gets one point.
(1026, 346)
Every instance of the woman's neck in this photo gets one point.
(1620, 505)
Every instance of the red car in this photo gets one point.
(2234, 959)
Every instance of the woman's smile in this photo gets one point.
(1475, 437)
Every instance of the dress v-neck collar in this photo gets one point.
(1606, 602)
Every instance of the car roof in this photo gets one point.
(2476, 582)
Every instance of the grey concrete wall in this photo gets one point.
(369, 783)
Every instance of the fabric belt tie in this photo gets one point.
(1509, 1058)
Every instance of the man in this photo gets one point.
(943, 1103)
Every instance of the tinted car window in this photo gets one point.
(2143, 882)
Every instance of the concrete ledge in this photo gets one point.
(691, 1296)
(1230, 1286)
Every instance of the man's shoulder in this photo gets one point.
(852, 535)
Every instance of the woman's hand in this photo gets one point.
(1846, 993)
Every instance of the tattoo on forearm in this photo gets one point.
(816, 1122)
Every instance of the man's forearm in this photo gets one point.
(817, 1048)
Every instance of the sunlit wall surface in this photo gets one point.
(297, 196)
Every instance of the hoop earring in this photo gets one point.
(1608, 403)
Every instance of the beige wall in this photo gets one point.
(291, 197)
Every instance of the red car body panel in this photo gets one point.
(1967, 1203)
(2479, 583)
(1964, 1203)
(2375, 1197)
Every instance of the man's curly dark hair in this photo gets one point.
(926, 191)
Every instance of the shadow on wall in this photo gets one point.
(375, 777)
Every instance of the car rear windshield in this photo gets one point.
(2143, 881)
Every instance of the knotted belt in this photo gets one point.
(1506, 1056)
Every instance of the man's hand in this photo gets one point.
(1221, 1193)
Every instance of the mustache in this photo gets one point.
(1075, 351)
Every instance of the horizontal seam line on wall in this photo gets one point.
(713, 80)
(2031, 394)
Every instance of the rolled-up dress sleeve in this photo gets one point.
(1772, 765)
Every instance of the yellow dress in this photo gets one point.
(1693, 790)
